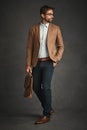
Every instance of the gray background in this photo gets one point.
(69, 84)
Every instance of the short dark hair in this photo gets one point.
(44, 9)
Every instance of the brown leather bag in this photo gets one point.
(28, 85)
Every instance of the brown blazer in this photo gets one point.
(54, 43)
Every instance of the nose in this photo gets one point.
(52, 16)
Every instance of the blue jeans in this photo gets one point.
(42, 76)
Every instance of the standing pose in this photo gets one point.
(44, 50)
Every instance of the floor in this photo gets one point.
(61, 120)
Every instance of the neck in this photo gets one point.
(44, 22)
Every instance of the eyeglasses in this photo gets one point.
(50, 14)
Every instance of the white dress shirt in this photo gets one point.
(43, 51)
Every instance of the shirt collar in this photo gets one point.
(46, 25)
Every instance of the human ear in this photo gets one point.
(42, 15)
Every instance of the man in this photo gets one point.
(44, 50)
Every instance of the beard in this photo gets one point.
(49, 20)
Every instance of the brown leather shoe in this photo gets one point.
(42, 120)
(52, 112)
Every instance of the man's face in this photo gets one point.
(49, 16)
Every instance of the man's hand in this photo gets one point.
(55, 64)
(28, 69)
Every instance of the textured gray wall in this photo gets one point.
(69, 82)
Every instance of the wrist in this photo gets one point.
(55, 62)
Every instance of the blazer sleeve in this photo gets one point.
(60, 44)
(29, 47)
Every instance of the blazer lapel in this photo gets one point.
(38, 33)
(49, 32)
